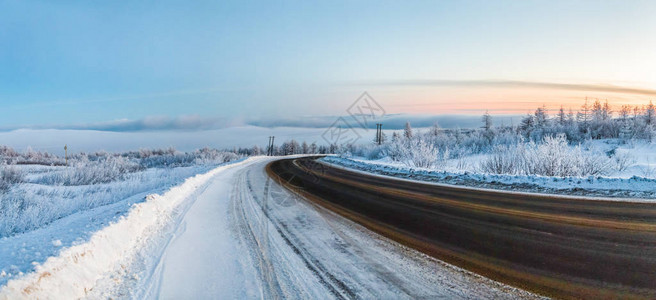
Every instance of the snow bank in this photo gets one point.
(74, 273)
(620, 189)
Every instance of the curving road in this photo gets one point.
(243, 236)
(555, 246)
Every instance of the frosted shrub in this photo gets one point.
(414, 153)
(397, 150)
(552, 157)
(167, 161)
(170, 158)
(31, 157)
(9, 175)
(213, 156)
(623, 161)
(85, 172)
(502, 161)
(369, 151)
(422, 154)
(8, 155)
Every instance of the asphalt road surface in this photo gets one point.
(562, 247)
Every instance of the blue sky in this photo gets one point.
(86, 62)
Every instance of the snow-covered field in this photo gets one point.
(47, 208)
(636, 180)
(128, 228)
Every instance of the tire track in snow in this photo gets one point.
(261, 238)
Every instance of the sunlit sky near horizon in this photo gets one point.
(85, 62)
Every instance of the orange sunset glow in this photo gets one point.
(476, 100)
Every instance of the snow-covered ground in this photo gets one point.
(107, 257)
(643, 155)
(39, 218)
(235, 233)
(42, 203)
(638, 180)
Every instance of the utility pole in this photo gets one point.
(66, 153)
(379, 133)
(271, 140)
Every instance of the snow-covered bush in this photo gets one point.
(9, 175)
(85, 172)
(171, 158)
(104, 167)
(414, 152)
(213, 156)
(552, 157)
(502, 161)
(31, 157)
(369, 151)
(422, 154)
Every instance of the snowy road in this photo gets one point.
(562, 247)
(246, 237)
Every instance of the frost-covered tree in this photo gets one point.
(436, 130)
(601, 124)
(395, 137)
(583, 117)
(597, 112)
(541, 117)
(407, 131)
(562, 117)
(290, 147)
(256, 150)
(625, 111)
(332, 149)
(650, 114)
(571, 120)
(527, 124)
(305, 148)
(295, 147)
(487, 121)
(606, 112)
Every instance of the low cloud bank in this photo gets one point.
(149, 123)
(392, 121)
(199, 123)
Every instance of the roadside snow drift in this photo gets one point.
(75, 272)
